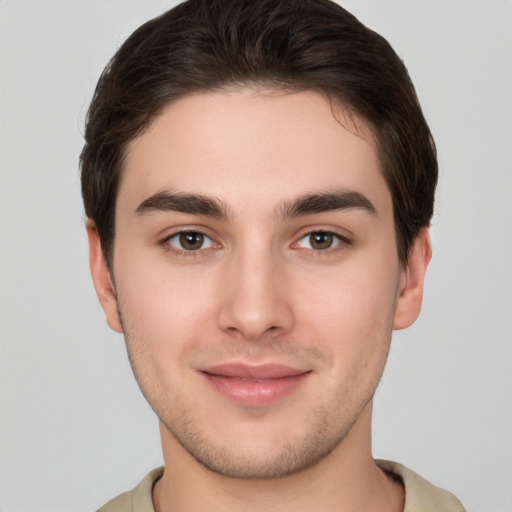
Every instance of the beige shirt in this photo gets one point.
(420, 495)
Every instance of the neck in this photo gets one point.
(345, 481)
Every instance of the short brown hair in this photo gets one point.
(317, 45)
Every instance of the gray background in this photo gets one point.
(75, 430)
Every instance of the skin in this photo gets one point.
(260, 290)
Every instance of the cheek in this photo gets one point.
(163, 305)
(350, 311)
(164, 316)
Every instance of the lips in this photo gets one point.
(254, 386)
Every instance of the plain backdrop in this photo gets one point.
(74, 428)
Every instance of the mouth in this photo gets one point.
(254, 386)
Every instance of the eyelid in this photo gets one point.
(180, 233)
(343, 240)
(176, 232)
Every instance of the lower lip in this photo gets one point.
(253, 392)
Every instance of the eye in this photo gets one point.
(320, 240)
(189, 241)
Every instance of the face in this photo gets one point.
(256, 277)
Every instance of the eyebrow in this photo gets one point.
(198, 204)
(331, 200)
(195, 204)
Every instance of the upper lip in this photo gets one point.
(262, 371)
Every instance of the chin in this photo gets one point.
(262, 452)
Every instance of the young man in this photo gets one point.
(259, 180)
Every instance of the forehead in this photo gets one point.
(252, 146)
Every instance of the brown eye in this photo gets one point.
(191, 241)
(321, 241)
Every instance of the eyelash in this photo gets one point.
(342, 243)
(183, 252)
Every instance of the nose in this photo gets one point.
(255, 298)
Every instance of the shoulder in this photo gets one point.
(138, 499)
(420, 494)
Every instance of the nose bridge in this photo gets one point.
(254, 298)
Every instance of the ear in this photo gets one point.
(101, 279)
(410, 292)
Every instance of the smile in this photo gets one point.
(254, 386)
